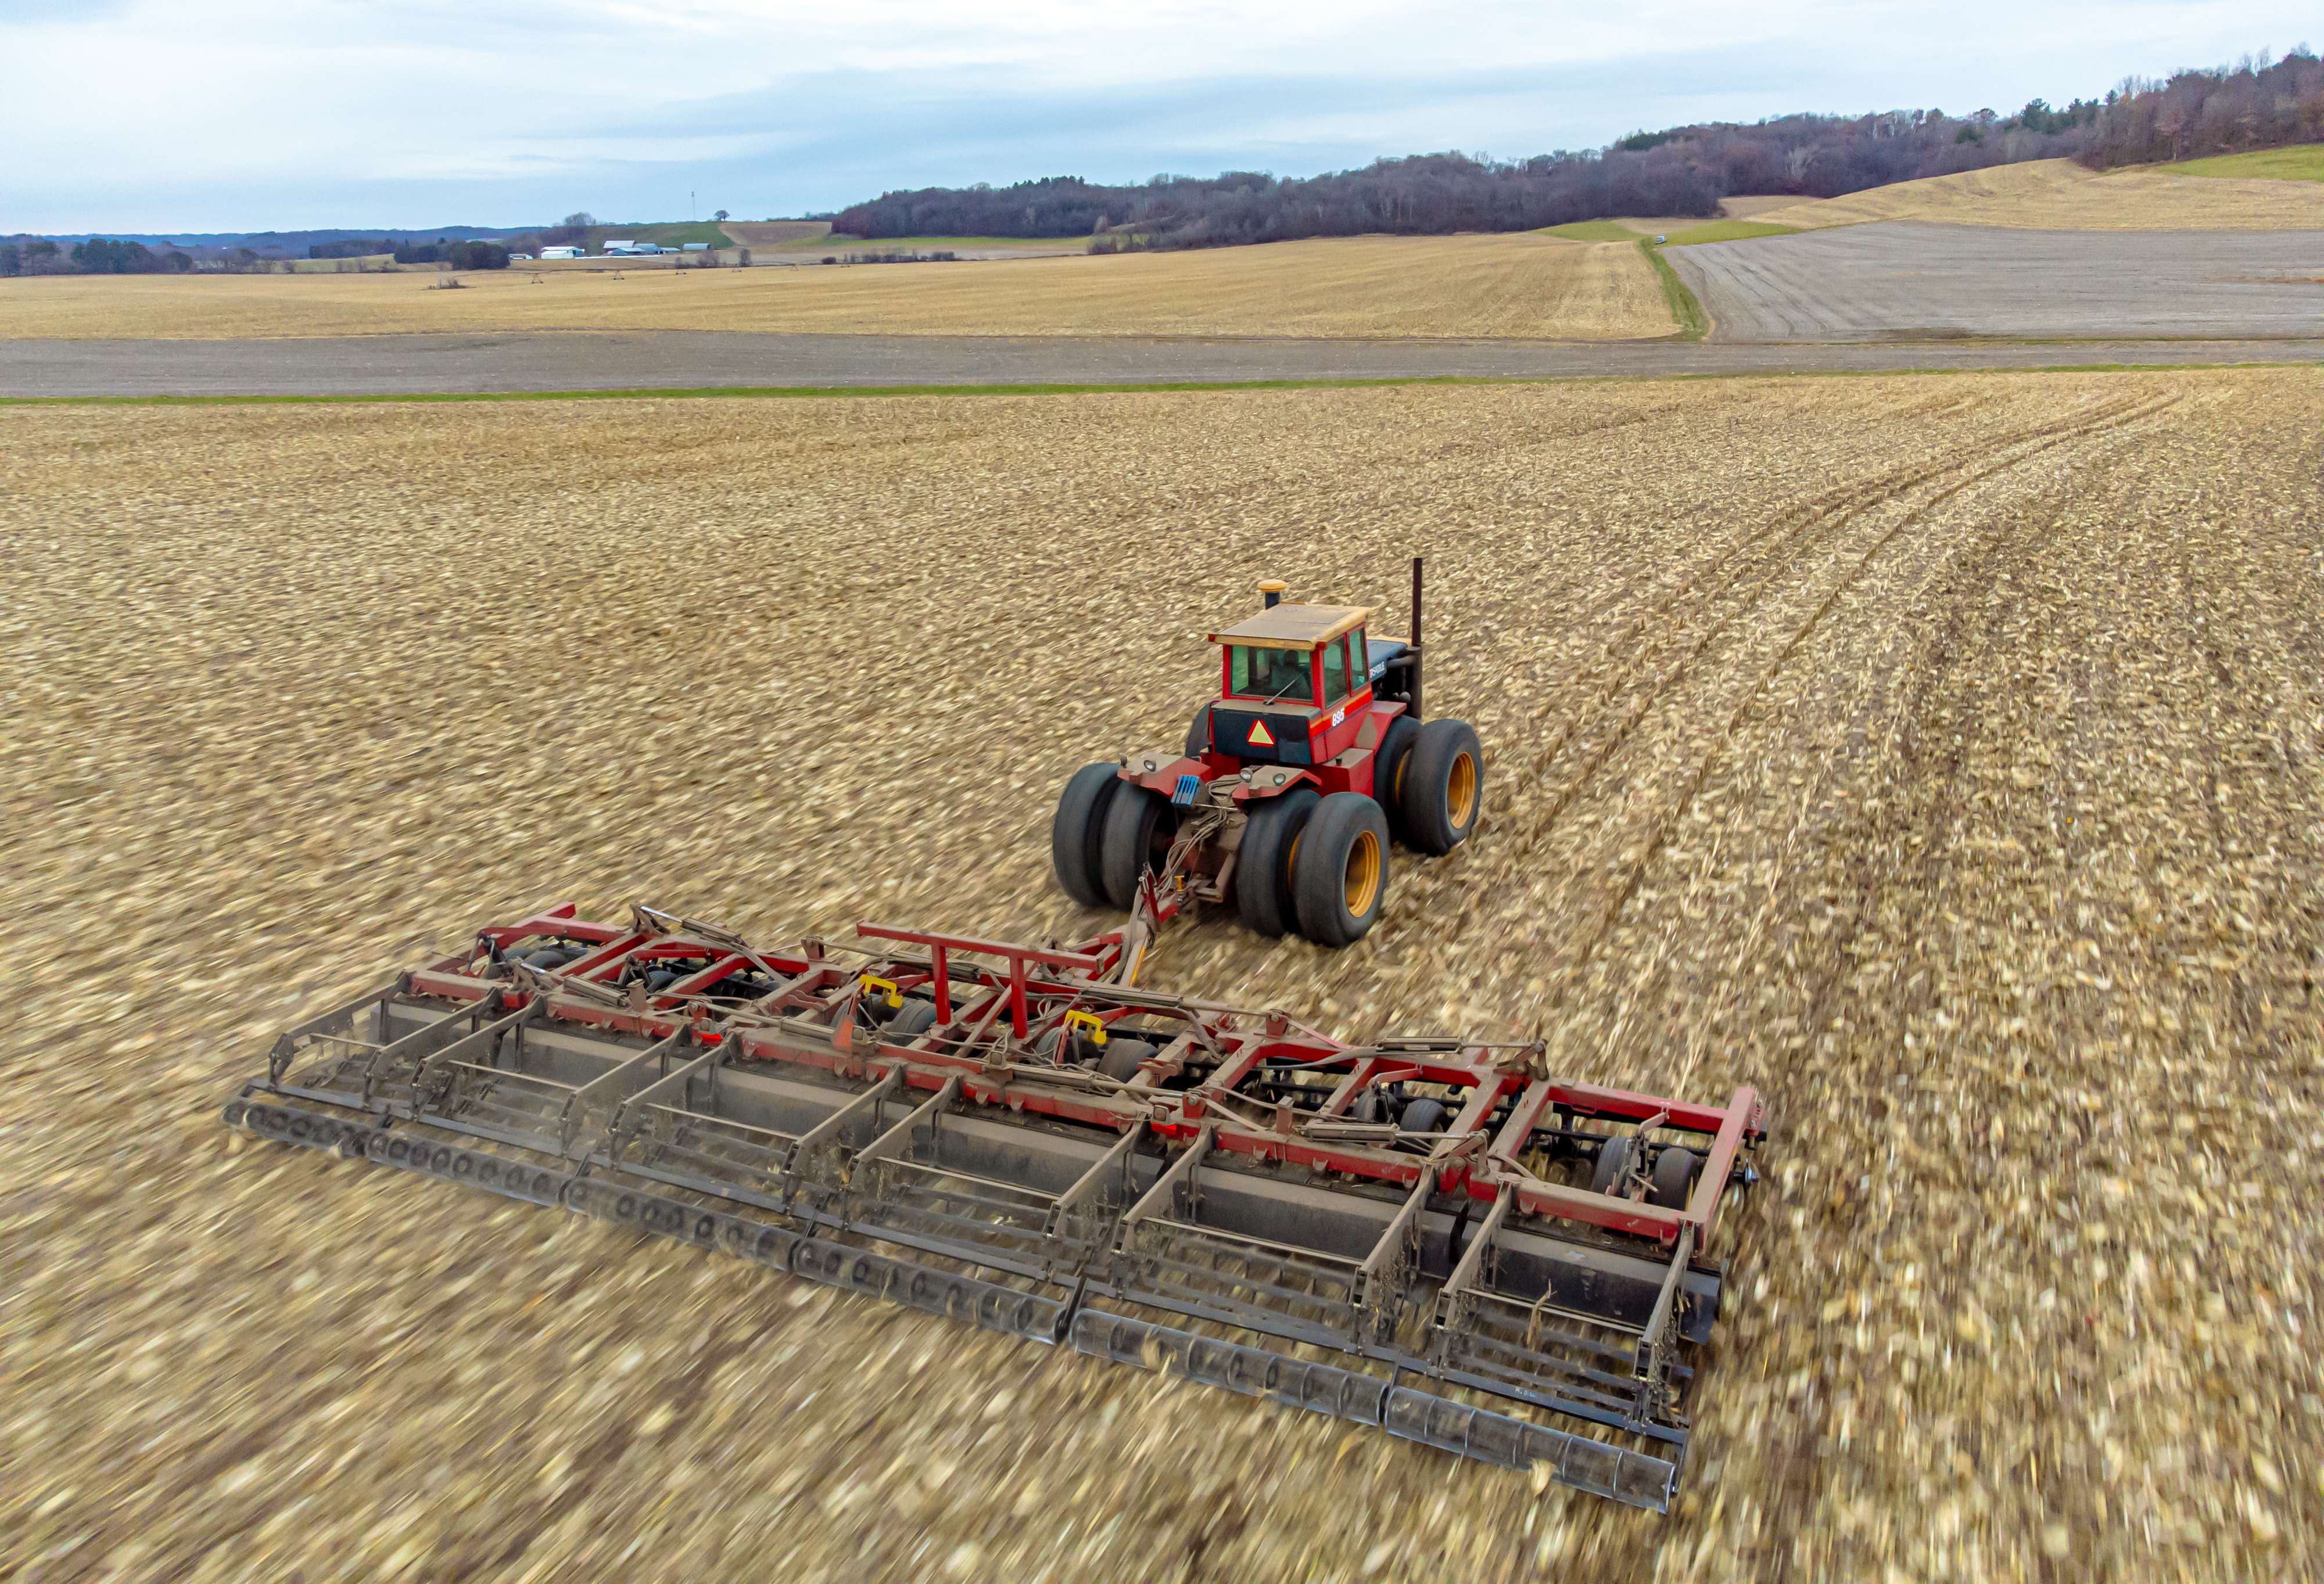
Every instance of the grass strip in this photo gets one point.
(1686, 312)
(2300, 162)
(1728, 231)
(1589, 231)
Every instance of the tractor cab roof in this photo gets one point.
(1290, 626)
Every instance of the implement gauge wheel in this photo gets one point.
(1078, 828)
(1339, 870)
(1262, 877)
(1442, 789)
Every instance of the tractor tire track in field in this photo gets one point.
(2011, 872)
(1699, 655)
(1764, 554)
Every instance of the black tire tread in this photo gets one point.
(1427, 775)
(1077, 828)
(1318, 870)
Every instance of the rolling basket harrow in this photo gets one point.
(1435, 1236)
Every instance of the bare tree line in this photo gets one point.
(1684, 171)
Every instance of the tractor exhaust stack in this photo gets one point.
(1412, 704)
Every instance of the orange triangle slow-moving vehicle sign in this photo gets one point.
(1259, 735)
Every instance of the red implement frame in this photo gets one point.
(809, 1020)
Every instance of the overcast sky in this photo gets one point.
(159, 115)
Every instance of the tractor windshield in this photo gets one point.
(1271, 674)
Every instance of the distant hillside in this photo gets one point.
(1683, 171)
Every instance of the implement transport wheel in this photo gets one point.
(1136, 839)
(1339, 872)
(1388, 768)
(1262, 875)
(1078, 828)
(1443, 786)
(1674, 1171)
(1424, 1116)
(1120, 1058)
(1613, 1160)
(916, 1020)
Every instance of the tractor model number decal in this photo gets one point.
(1261, 737)
(1339, 714)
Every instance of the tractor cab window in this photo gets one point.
(1270, 674)
(1360, 662)
(1335, 671)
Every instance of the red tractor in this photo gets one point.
(1291, 782)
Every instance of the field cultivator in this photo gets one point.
(1435, 1236)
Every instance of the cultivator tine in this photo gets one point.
(1383, 1278)
(1091, 1187)
(1397, 1274)
(612, 1088)
(863, 1175)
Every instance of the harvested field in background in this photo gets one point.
(2057, 195)
(1518, 285)
(1940, 754)
(774, 233)
(1912, 281)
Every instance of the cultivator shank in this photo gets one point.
(1433, 1237)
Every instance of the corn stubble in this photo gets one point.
(1939, 754)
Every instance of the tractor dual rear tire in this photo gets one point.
(1387, 771)
(1262, 877)
(1339, 869)
(1139, 829)
(1442, 786)
(1077, 831)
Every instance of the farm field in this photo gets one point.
(1910, 281)
(1518, 285)
(775, 233)
(2057, 195)
(1939, 754)
(2304, 162)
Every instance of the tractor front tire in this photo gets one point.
(1339, 874)
(1137, 841)
(1077, 831)
(1262, 874)
(1388, 769)
(1442, 789)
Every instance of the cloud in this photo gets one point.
(427, 111)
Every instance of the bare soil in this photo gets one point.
(682, 359)
(1945, 756)
(1514, 285)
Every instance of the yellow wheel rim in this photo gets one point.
(1361, 885)
(1460, 792)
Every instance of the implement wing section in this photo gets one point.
(1434, 1238)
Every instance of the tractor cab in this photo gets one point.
(1302, 685)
